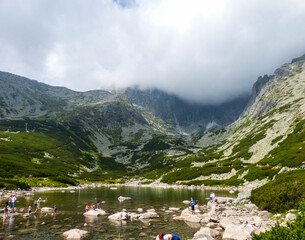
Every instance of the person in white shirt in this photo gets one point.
(13, 202)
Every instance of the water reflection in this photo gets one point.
(71, 207)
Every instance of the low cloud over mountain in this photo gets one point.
(204, 51)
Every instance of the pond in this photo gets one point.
(71, 206)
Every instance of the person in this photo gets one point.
(10, 201)
(216, 201)
(13, 202)
(192, 202)
(212, 196)
(163, 236)
(38, 203)
(98, 204)
(87, 208)
(6, 209)
(92, 206)
(197, 204)
(55, 210)
(30, 209)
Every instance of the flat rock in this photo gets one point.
(47, 210)
(121, 198)
(119, 216)
(75, 234)
(238, 232)
(94, 213)
(206, 233)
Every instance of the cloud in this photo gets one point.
(204, 51)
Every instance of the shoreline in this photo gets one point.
(30, 192)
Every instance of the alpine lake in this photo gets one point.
(71, 206)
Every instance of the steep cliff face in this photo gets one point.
(190, 117)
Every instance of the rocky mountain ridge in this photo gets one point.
(123, 138)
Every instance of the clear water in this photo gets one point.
(71, 208)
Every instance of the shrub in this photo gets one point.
(302, 206)
(66, 180)
(10, 184)
(284, 193)
(260, 173)
(294, 231)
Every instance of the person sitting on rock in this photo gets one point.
(197, 204)
(163, 236)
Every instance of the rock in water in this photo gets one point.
(47, 210)
(121, 198)
(118, 216)
(75, 234)
(94, 213)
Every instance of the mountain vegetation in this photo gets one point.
(52, 136)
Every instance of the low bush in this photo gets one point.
(284, 193)
(11, 184)
(65, 180)
(260, 173)
(294, 231)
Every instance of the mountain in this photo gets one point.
(269, 135)
(150, 135)
(191, 118)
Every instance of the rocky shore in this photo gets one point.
(19, 192)
(229, 219)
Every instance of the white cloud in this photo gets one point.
(206, 51)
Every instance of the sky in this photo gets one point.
(201, 50)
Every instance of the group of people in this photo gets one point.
(10, 204)
(92, 207)
(213, 198)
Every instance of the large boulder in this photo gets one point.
(238, 232)
(75, 234)
(121, 198)
(213, 217)
(206, 233)
(193, 218)
(119, 216)
(242, 196)
(290, 217)
(283, 170)
(47, 210)
(95, 213)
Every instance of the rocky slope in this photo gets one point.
(132, 134)
(268, 135)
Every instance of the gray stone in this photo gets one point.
(290, 217)
(206, 233)
(75, 234)
(243, 196)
